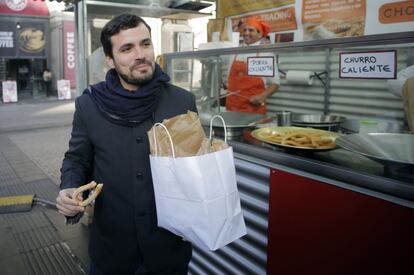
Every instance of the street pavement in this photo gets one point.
(34, 135)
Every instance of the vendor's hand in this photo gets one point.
(67, 205)
(258, 100)
(223, 92)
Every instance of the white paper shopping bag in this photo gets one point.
(197, 198)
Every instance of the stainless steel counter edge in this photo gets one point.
(385, 188)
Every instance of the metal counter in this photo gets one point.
(337, 167)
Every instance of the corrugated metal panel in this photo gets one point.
(248, 254)
(364, 98)
(352, 98)
(300, 98)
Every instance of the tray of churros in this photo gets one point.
(297, 137)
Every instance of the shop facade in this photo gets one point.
(24, 45)
(307, 210)
(27, 30)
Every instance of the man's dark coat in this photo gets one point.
(124, 231)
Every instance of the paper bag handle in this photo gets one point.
(224, 124)
(169, 137)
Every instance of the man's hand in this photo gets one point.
(67, 205)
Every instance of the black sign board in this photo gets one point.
(7, 39)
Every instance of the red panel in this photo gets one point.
(69, 48)
(317, 228)
(24, 7)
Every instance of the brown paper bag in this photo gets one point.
(217, 25)
(187, 135)
(186, 132)
(208, 146)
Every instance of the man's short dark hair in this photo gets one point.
(113, 27)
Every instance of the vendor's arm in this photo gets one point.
(261, 98)
(271, 84)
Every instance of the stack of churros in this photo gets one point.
(306, 138)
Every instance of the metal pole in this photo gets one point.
(81, 68)
(327, 94)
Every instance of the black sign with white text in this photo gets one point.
(7, 39)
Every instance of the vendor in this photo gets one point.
(249, 93)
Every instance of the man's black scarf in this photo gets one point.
(128, 108)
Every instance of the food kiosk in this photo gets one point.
(343, 210)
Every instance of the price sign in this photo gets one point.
(261, 66)
(377, 65)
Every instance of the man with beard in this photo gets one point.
(109, 145)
